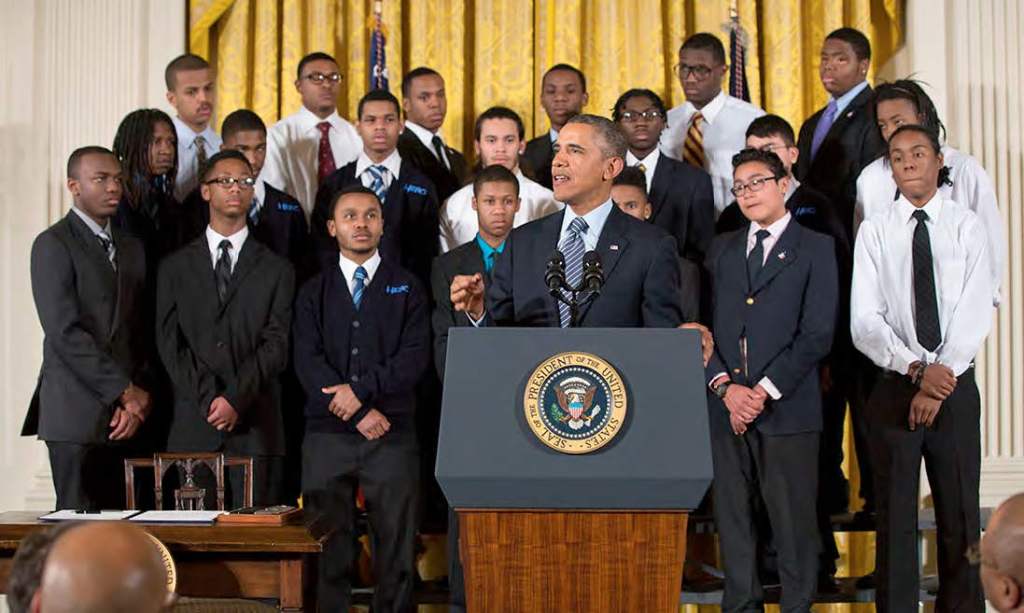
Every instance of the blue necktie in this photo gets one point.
(359, 287)
(378, 173)
(572, 248)
(824, 124)
(254, 211)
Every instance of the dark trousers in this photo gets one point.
(87, 477)
(783, 472)
(951, 449)
(388, 471)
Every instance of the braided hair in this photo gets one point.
(911, 91)
(933, 141)
(131, 146)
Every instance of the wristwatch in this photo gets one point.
(719, 389)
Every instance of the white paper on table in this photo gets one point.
(177, 517)
(73, 515)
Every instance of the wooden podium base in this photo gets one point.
(572, 561)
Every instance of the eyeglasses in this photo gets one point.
(633, 116)
(754, 185)
(767, 148)
(700, 71)
(319, 77)
(228, 182)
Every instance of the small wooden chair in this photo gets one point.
(188, 497)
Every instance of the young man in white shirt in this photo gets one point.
(306, 147)
(711, 126)
(920, 310)
(421, 144)
(498, 139)
(563, 94)
(191, 91)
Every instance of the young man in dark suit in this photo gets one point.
(425, 106)
(362, 342)
(409, 198)
(224, 306)
(88, 283)
(838, 141)
(775, 297)
(563, 94)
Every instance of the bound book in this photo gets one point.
(277, 515)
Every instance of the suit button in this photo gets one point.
(355, 323)
(750, 300)
(220, 344)
(736, 370)
(355, 378)
(355, 351)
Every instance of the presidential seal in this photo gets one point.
(575, 402)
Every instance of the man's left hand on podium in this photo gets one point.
(707, 342)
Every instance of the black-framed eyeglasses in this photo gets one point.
(634, 116)
(754, 185)
(319, 78)
(700, 71)
(228, 182)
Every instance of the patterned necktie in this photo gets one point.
(693, 146)
(824, 125)
(222, 271)
(108, 246)
(926, 305)
(755, 260)
(439, 151)
(254, 211)
(200, 143)
(572, 248)
(325, 157)
(359, 286)
(377, 174)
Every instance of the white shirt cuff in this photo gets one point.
(769, 387)
(715, 378)
(476, 322)
(901, 360)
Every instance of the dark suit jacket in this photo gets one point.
(852, 143)
(446, 181)
(411, 225)
(236, 350)
(161, 223)
(641, 270)
(94, 337)
(683, 204)
(391, 331)
(787, 318)
(537, 159)
(465, 259)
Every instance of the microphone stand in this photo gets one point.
(573, 301)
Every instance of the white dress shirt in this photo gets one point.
(882, 319)
(459, 223)
(972, 188)
(188, 160)
(650, 163)
(293, 146)
(237, 239)
(427, 138)
(348, 270)
(726, 120)
(393, 164)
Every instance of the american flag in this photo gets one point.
(378, 54)
(737, 57)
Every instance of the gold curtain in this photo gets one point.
(495, 52)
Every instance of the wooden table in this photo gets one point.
(215, 561)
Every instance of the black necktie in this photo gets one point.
(439, 149)
(926, 306)
(222, 271)
(755, 260)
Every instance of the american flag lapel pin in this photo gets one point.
(613, 247)
(782, 255)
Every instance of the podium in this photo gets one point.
(572, 457)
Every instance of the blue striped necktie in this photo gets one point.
(254, 211)
(360, 286)
(378, 173)
(572, 248)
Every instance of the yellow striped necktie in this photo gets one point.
(693, 146)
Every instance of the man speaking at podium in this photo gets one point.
(638, 260)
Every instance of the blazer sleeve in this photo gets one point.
(716, 365)
(421, 224)
(661, 287)
(56, 299)
(813, 339)
(443, 315)
(312, 367)
(270, 357)
(701, 220)
(324, 244)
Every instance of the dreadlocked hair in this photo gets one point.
(131, 146)
(911, 91)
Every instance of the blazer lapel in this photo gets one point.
(610, 246)
(783, 253)
(91, 245)
(550, 235)
(121, 280)
(851, 110)
(202, 269)
(661, 185)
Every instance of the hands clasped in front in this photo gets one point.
(937, 383)
(744, 405)
(344, 404)
(132, 409)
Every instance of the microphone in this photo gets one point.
(554, 274)
(593, 273)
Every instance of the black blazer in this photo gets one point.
(537, 159)
(641, 269)
(787, 318)
(236, 350)
(465, 259)
(161, 223)
(447, 182)
(391, 331)
(683, 204)
(852, 143)
(95, 341)
(411, 220)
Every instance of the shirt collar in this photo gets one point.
(775, 230)
(844, 101)
(92, 225)
(713, 108)
(595, 219)
(187, 136)
(649, 162)
(309, 121)
(489, 251)
(793, 186)
(553, 134)
(933, 207)
(259, 192)
(393, 163)
(237, 239)
(348, 267)
(426, 136)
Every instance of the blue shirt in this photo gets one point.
(489, 252)
(844, 101)
(595, 223)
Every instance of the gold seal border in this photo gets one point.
(617, 398)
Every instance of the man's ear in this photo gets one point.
(172, 99)
(614, 167)
(331, 228)
(74, 186)
(205, 192)
(586, 99)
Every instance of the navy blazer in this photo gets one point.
(411, 220)
(641, 270)
(465, 259)
(390, 331)
(788, 318)
(683, 204)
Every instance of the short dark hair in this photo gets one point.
(312, 57)
(352, 188)
(568, 68)
(768, 158)
(182, 63)
(633, 176)
(242, 120)
(415, 73)
(615, 140)
(76, 157)
(495, 173)
(856, 39)
(767, 126)
(637, 93)
(705, 41)
(220, 156)
(911, 91)
(28, 563)
(377, 95)
(499, 112)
